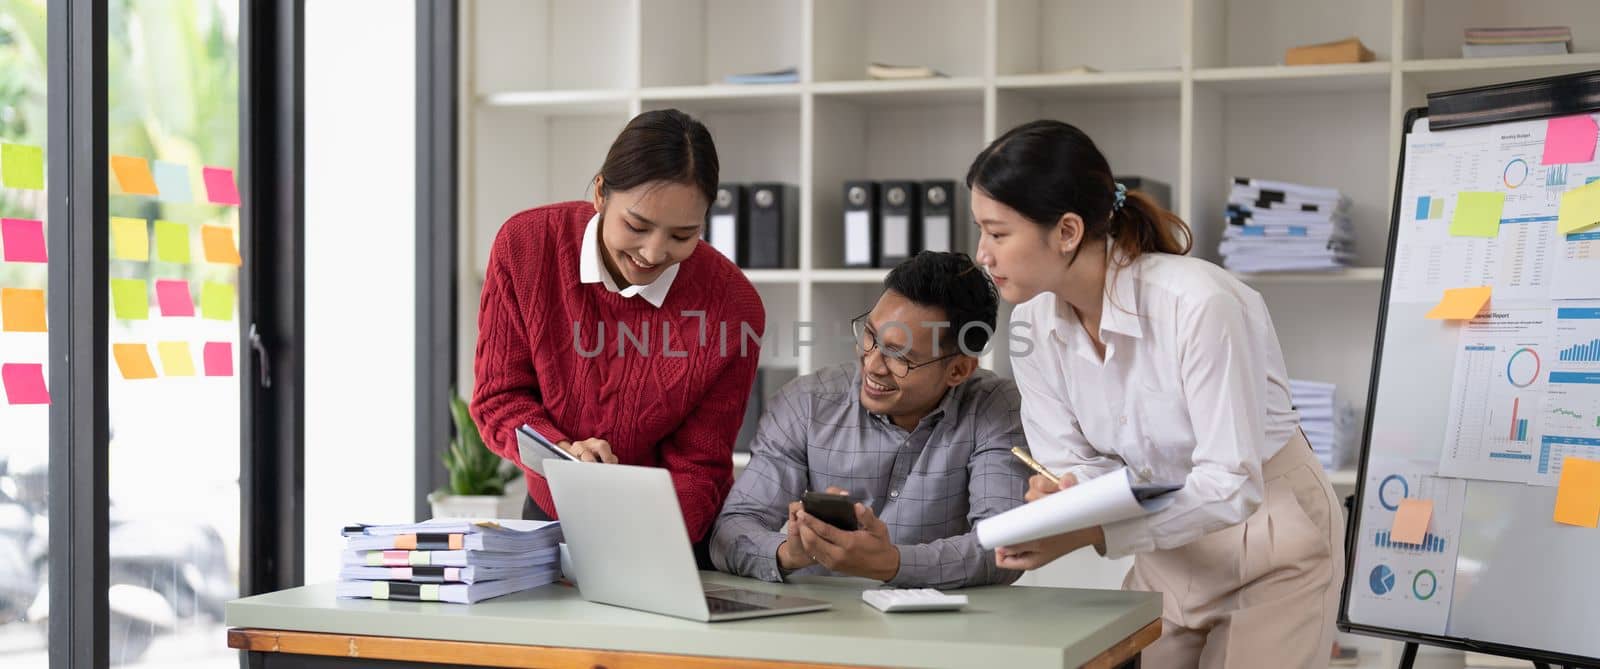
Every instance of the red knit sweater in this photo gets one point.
(677, 405)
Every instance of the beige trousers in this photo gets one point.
(1263, 593)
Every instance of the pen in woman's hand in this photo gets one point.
(1034, 464)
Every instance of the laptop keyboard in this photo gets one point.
(720, 605)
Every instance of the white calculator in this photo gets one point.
(890, 600)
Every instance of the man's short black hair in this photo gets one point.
(955, 284)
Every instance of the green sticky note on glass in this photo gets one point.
(1477, 214)
(216, 301)
(22, 166)
(172, 242)
(130, 299)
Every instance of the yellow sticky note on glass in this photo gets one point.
(1411, 521)
(21, 310)
(133, 360)
(130, 299)
(218, 244)
(175, 358)
(1461, 304)
(1578, 493)
(1477, 214)
(1580, 208)
(216, 301)
(172, 242)
(133, 175)
(130, 239)
(22, 166)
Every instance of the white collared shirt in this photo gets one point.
(592, 269)
(1192, 389)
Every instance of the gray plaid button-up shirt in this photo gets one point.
(929, 486)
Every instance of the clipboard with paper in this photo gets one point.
(1098, 501)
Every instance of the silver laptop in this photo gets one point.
(629, 543)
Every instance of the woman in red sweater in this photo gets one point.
(613, 330)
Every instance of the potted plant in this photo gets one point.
(478, 477)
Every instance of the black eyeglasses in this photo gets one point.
(897, 362)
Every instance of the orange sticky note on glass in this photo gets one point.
(133, 175)
(134, 361)
(1411, 521)
(21, 310)
(24, 383)
(1461, 304)
(219, 358)
(1578, 493)
(218, 243)
(175, 358)
(1569, 139)
(220, 187)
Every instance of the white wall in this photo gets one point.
(360, 268)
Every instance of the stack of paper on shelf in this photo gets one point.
(1320, 418)
(887, 71)
(787, 75)
(1276, 226)
(1497, 42)
(449, 559)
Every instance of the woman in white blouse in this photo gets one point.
(1130, 354)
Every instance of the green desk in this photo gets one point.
(1013, 627)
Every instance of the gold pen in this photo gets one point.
(1034, 465)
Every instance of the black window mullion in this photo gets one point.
(78, 317)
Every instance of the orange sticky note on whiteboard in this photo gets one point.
(1460, 304)
(22, 310)
(1578, 493)
(1411, 521)
(134, 361)
(133, 175)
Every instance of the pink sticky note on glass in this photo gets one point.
(219, 358)
(22, 239)
(1569, 139)
(174, 298)
(24, 383)
(220, 187)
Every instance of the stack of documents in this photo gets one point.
(786, 75)
(1276, 226)
(1496, 42)
(449, 560)
(888, 71)
(1315, 402)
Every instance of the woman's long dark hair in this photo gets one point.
(1047, 169)
(662, 145)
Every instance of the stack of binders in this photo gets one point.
(449, 560)
(1276, 226)
(887, 222)
(757, 225)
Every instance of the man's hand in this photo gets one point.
(1040, 487)
(791, 553)
(865, 552)
(590, 450)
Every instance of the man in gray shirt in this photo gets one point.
(913, 431)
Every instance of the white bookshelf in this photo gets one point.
(1189, 92)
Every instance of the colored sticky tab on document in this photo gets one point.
(24, 383)
(1411, 521)
(1569, 139)
(172, 180)
(21, 310)
(175, 358)
(172, 242)
(174, 298)
(1461, 304)
(22, 166)
(1580, 208)
(130, 299)
(130, 239)
(220, 187)
(216, 301)
(22, 240)
(133, 360)
(133, 175)
(219, 358)
(1578, 493)
(218, 244)
(1477, 214)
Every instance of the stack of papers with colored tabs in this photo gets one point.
(1325, 423)
(449, 559)
(1277, 226)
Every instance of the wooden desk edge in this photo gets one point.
(549, 657)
